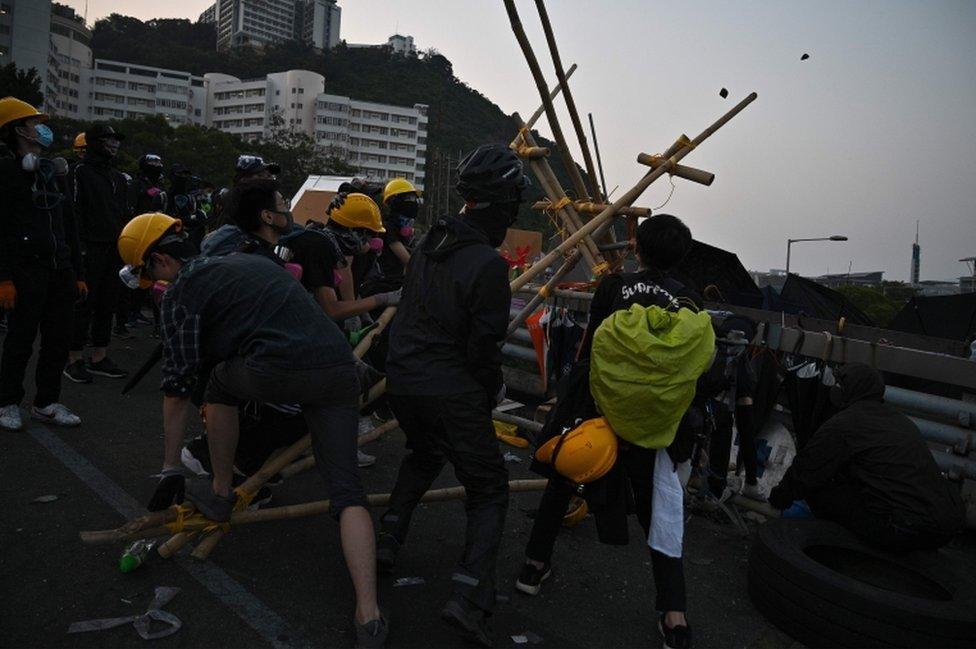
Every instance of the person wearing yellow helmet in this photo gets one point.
(271, 343)
(79, 145)
(40, 266)
(662, 241)
(402, 201)
(355, 223)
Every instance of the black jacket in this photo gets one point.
(99, 198)
(454, 313)
(146, 196)
(28, 233)
(872, 445)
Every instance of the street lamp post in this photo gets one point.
(790, 242)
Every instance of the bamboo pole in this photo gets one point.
(293, 511)
(552, 96)
(543, 88)
(688, 173)
(381, 323)
(550, 185)
(599, 161)
(629, 197)
(589, 207)
(568, 98)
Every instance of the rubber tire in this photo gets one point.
(822, 607)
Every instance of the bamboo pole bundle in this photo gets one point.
(568, 98)
(590, 228)
(589, 207)
(571, 169)
(550, 185)
(291, 511)
(381, 323)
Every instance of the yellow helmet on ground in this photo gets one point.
(396, 187)
(141, 233)
(358, 211)
(13, 109)
(584, 454)
(80, 142)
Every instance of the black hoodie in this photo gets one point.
(99, 194)
(454, 312)
(879, 449)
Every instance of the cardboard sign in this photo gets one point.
(312, 205)
(521, 247)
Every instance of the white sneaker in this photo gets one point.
(57, 414)
(365, 459)
(10, 417)
(754, 492)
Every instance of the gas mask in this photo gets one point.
(47, 167)
(406, 227)
(131, 276)
(375, 245)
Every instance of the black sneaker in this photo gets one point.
(77, 372)
(471, 622)
(106, 367)
(216, 508)
(678, 637)
(196, 456)
(139, 320)
(122, 332)
(530, 579)
(372, 635)
(387, 547)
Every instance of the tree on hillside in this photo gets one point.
(22, 84)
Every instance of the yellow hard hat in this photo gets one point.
(576, 512)
(358, 211)
(584, 454)
(396, 187)
(80, 141)
(13, 109)
(141, 233)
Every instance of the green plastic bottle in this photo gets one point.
(135, 555)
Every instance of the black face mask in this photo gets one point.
(406, 209)
(152, 173)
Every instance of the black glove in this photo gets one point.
(169, 490)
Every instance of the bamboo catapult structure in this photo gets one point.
(584, 224)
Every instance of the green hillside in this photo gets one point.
(460, 117)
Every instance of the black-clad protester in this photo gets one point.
(444, 376)
(40, 266)
(184, 188)
(868, 469)
(99, 198)
(662, 242)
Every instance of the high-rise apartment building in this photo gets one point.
(25, 39)
(262, 22)
(256, 108)
(71, 42)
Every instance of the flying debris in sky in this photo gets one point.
(804, 57)
(723, 93)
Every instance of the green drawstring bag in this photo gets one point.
(643, 368)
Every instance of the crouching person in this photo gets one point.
(868, 469)
(272, 343)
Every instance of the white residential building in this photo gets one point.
(117, 90)
(402, 45)
(383, 141)
(256, 108)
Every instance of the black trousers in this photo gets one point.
(45, 299)
(93, 316)
(638, 464)
(721, 445)
(842, 502)
(455, 428)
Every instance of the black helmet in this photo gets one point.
(492, 173)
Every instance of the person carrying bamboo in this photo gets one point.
(273, 344)
(444, 376)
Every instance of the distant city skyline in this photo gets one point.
(870, 134)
